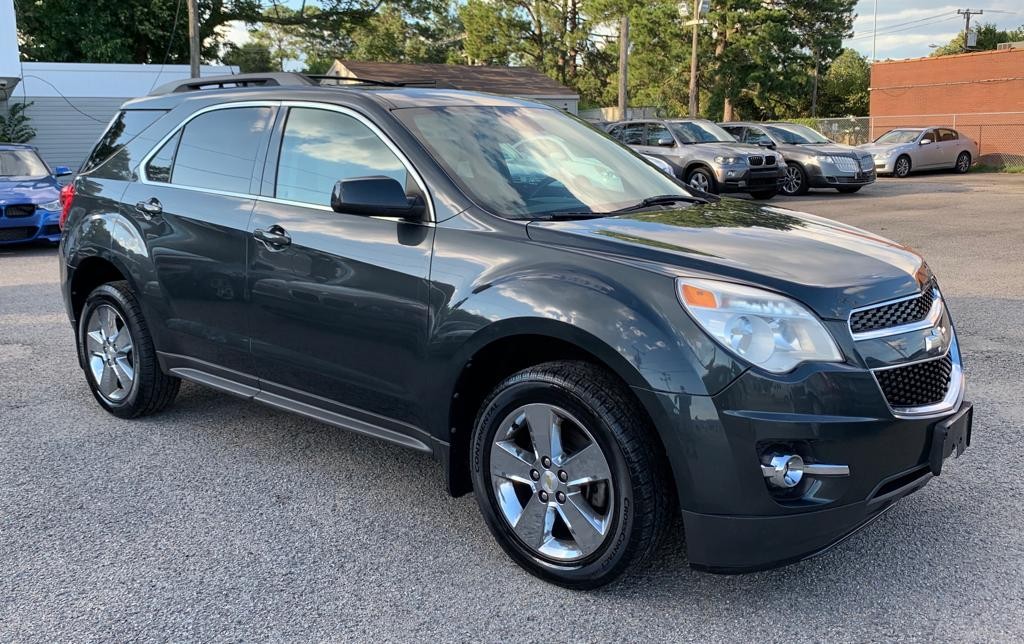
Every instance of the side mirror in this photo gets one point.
(925, 141)
(665, 141)
(381, 196)
(62, 171)
(766, 143)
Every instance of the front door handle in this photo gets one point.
(274, 238)
(151, 208)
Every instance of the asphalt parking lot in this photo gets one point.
(220, 520)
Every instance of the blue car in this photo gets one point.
(29, 196)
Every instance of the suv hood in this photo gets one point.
(712, 150)
(828, 266)
(21, 190)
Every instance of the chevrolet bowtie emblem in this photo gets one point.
(935, 338)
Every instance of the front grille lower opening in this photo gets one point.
(916, 385)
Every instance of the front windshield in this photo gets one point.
(898, 136)
(530, 161)
(21, 163)
(796, 134)
(700, 132)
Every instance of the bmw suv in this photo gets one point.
(581, 341)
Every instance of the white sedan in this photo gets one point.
(900, 151)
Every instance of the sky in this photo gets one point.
(906, 28)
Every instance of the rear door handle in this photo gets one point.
(274, 238)
(151, 208)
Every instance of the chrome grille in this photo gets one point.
(893, 314)
(916, 385)
(755, 160)
(845, 164)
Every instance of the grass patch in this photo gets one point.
(1005, 169)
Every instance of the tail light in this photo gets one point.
(67, 195)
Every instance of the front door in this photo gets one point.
(930, 155)
(339, 315)
(192, 203)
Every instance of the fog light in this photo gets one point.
(784, 470)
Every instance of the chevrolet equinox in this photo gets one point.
(580, 340)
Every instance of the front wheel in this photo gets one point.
(566, 476)
(902, 168)
(118, 356)
(963, 162)
(701, 179)
(794, 182)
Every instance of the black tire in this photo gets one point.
(795, 182)
(902, 170)
(151, 389)
(702, 175)
(849, 190)
(963, 163)
(641, 496)
(764, 194)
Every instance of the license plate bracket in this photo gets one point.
(951, 437)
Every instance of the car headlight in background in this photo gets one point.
(882, 156)
(50, 206)
(766, 329)
(728, 160)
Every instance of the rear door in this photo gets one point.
(339, 315)
(193, 202)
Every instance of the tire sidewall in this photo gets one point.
(613, 553)
(712, 184)
(107, 294)
(895, 167)
(967, 166)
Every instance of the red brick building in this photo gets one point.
(981, 94)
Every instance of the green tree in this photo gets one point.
(821, 26)
(250, 57)
(14, 125)
(844, 87)
(989, 35)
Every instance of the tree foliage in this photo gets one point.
(844, 88)
(14, 125)
(250, 57)
(989, 35)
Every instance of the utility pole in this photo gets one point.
(693, 59)
(193, 38)
(623, 63)
(874, 34)
(967, 13)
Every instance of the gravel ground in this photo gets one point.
(220, 520)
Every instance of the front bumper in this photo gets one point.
(43, 225)
(825, 177)
(748, 179)
(886, 165)
(734, 520)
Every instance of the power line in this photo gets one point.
(907, 28)
(73, 106)
(170, 43)
(910, 24)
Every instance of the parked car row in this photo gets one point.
(29, 196)
(763, 159)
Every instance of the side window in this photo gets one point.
(948, 135)
(657, 132)
(633, 134)
(757, 136)
(931, 134)
(218, 149)
(126, 126)
(735, 131)
(159, 167)
(321, 147)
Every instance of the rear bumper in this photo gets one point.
(41, 226)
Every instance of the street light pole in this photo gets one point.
(193, 38)
(695, 18)
(623, 64)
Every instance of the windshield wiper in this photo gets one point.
(659, 200)
(559, 216)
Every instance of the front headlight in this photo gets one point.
(766, 329)
(728, 160)
(52, 206)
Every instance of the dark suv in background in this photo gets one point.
(579, 340)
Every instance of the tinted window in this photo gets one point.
(159, 167)
(932, 135)
(321, 147)
(947, 135)
(633, 134)
(756, 136)
(218, 149)
(735, 130)
(656, 131)
(126, 126)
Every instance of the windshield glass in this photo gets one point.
(22, 163)
(700, 132)
(795, 134)
(528, 161)
(898, 136)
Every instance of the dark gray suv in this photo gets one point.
(581, 341)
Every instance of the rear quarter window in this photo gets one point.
(127, 125)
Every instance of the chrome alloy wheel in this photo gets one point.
(792, 181)
(902, 168)
(111, 356)
(700, 181)
(963, 162)
(552, 482)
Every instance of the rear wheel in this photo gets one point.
(566, 476)
(701, 179)
(963, 162)
(849, 190)
(902, 167)
(794, 182)
(117, 352)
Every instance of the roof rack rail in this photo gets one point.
(271, 79)
(351, 80)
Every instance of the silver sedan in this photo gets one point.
(900, 151)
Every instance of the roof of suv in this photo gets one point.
(293, 86)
